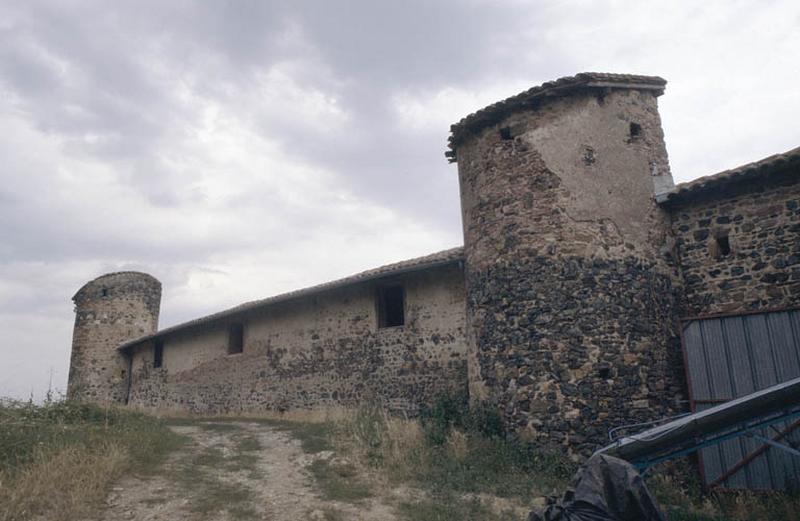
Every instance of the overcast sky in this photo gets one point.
(239, 149)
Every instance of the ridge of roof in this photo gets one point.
(418, 263)
(766, 166)
(495, 112)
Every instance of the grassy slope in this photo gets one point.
(59, 458)
(460, 459)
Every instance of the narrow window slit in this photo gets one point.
(723, 246)
(235, 338)
(158, 354)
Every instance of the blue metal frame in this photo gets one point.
(743, 429)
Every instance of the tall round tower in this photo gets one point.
(570, 306)
(109, 310)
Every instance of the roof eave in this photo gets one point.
(709, 186)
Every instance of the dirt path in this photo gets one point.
(236, 471)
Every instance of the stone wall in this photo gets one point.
(571, 290)
(761, 220)
(108, 311)
(316, 351)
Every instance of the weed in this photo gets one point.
(340, 482)
(217, 496)
(247, 444)
(314, 437)
(209, 457)
(330, 514)
(452, 449)
(197, 475)
(59, 457)
(451, 508)
(218, 427)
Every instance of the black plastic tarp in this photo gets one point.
(605, 488)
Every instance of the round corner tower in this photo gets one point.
(109, 310)
(569, 273)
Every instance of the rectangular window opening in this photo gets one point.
(391, 306)
(723, 246)
(235, 338)
(158, 354)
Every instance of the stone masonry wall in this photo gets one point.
(317, 351)
(761, 220)
(571, 287)
(108, 311)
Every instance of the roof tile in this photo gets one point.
(496, 112)
(419, 263)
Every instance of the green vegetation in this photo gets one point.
(340, 481)
(457, 455)
(314, 437)
(59, 458)
(684, 502)
(453, 453)
(197, 474)
(453, 508)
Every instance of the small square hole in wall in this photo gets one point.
(235, 338)
(721, 246)
(104, 292)
(391, 306)
(158, 354)
(505, 134)
(635, 131)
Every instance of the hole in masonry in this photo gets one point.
(235, 338)
(588, 156)
(505, 133)
(635, 130)
(158, 354)
(391, 306)
(723, 245)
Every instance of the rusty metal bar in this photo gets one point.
(753, 455)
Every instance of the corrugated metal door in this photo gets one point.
(734, 356)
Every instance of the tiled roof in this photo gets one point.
(496, 112)
(766, 166)
(420, 263)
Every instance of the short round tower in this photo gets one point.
(571, 307)
(109, 310)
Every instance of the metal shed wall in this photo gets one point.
(729, 357)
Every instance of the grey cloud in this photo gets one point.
(114, 94)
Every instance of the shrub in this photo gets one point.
(58, 457)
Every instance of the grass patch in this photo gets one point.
(683, 502)
(209, 457)
(314, 437)
(247, 443)
(330, 514)
(453, 450)
(451, 508)
(217, 496)
(198, 474)
(218, 427)
(59, 458)
(340, 482)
